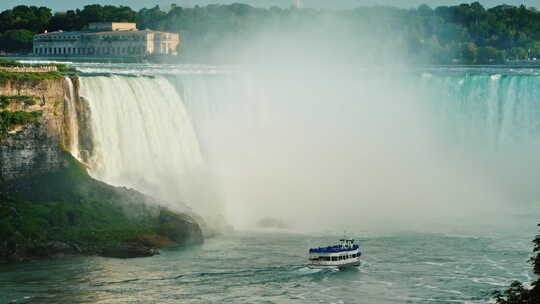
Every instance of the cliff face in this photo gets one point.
(48, 203)
(32, 146)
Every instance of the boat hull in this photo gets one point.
(342, 266)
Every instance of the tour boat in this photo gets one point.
(345, 254)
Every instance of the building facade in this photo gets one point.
(106, 39)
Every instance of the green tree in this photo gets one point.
(17, 40)
(517, 293)
(489, 54)
(470, 53)
(517, 53)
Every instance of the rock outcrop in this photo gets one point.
(34, 146)
(49, 205)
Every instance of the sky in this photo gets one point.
(62, 5)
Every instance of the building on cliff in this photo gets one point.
(106, 39)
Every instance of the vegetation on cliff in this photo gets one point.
(84, 215)
(6, 100)
(9, 119)
(7, 76)
(16, 64)
(519, 294)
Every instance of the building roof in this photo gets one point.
(62, 32)
(106, 32)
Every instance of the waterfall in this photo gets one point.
(496, 111)
(445, 143)
(334, 149)
(73, 131)
(144, 139)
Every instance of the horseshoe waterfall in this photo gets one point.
(249, 147)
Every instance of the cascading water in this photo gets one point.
(144, 139)
(69, 97)
(346, 151)
(491, 110)
(432, 146)
(494, 120)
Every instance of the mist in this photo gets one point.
(326, 129)
(323, 123)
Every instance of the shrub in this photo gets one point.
(6, 76)
(517, 293)
(8, 119)
(7, 100)
(63, 68)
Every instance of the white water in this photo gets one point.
(144, 140)
(354, 151)
(345, 151)
(69, 97)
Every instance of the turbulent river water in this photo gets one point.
(270, 268)
(433, 170)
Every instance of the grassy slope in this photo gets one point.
(70, 206)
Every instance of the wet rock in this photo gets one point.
(180, 228)
(129, 251)
(58, 247)
(76, 248)
(155, 241)
(270, 222)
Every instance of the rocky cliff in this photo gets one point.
(32, 135)
(48, 202)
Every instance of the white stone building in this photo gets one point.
(106, 39)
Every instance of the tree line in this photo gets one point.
(465, 33)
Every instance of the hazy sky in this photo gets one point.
(137, 4)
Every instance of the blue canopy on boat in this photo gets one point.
(335, 248)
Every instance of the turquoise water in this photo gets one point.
(270, 268)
